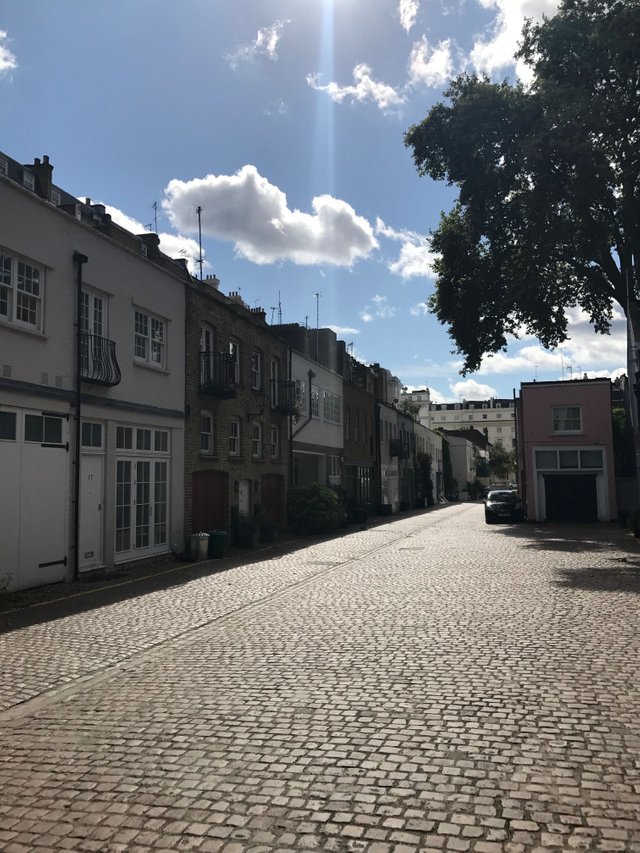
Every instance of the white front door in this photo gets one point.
(244, 497)
(90, 548)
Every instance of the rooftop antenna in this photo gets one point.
(199, 212)
(279, 309)
(561, 362)
(155, 216)
(570, 369)
(306, 321)
(273, 308)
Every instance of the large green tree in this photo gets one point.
(548, 210)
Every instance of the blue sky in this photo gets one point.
(284, 121)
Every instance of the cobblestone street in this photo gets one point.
(429, 684)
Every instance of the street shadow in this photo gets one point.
(574, 538)
(603, 579)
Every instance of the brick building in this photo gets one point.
(236, 448)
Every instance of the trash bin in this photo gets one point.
(199, 546)
(216, 544)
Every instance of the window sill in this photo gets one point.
(23, 330)
(157, 368)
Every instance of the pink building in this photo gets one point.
(565, 450)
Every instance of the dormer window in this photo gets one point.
(28, 181)
(55, 196)
(4, 166)
(143, 249)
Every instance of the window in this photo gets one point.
(591, 459)
(256, 440)
(234, 437)
(315, 402)
(28, 180)
(45, 429)
(206, 433)
(334, 467)
(161, 441)
(568, 458)
(124, 438)
(567, 419)
(20, 291)
(91, 435)
(234, 352)
(143, 439)
(498, 415)
(331, 409)
(274, 375)
(55, 196)
(256, 370)
(7, 426)
(150, 337)
(300, 390)
(4, 166)
(275, 442)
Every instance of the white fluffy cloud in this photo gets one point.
(174, 245)
(379, 310)
(419, 310)
(415, 260)
(407, 12)
(430, 66)
(252, 213)
(343, 330)
(8, 60)
(584, 352)
(364, 88)
(264, 44)
(494, 51)
(469, 389)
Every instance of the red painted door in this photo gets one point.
(209, 491)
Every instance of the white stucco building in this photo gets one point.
(91, 415)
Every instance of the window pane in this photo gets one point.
(566, 419)
(591, 459)
(33, 428)
(8, 426)
(161, 441)
(568, 458)
(546, 459)
(124, 438)
(143, 439)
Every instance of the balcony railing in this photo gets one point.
(283, 397)
(217, 374)
(98, 363)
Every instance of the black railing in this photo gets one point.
(283, 397)
(98, 361)
(217, 374)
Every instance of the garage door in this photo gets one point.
(571, 497)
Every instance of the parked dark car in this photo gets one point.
(502, 505)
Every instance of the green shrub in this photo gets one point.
(315, 509)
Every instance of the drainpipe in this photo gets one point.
(291, 389)
(80, 259)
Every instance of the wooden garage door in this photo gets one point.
(209, 500)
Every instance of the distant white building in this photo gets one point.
(494, 418)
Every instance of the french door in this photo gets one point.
(141, 506)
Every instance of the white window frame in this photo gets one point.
(256, 440)
(315, 401)
(559, 420)
(331, 404)
(206, 435)
(29, 180)
(274, 377)
(275, 441)
(234, 352)
(234, 437)
(335, 469)
(150, 339)
(21, 291)
(256, 370)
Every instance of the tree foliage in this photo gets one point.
(502, 462)
(548, 210)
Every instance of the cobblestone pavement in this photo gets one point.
(431, 684)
